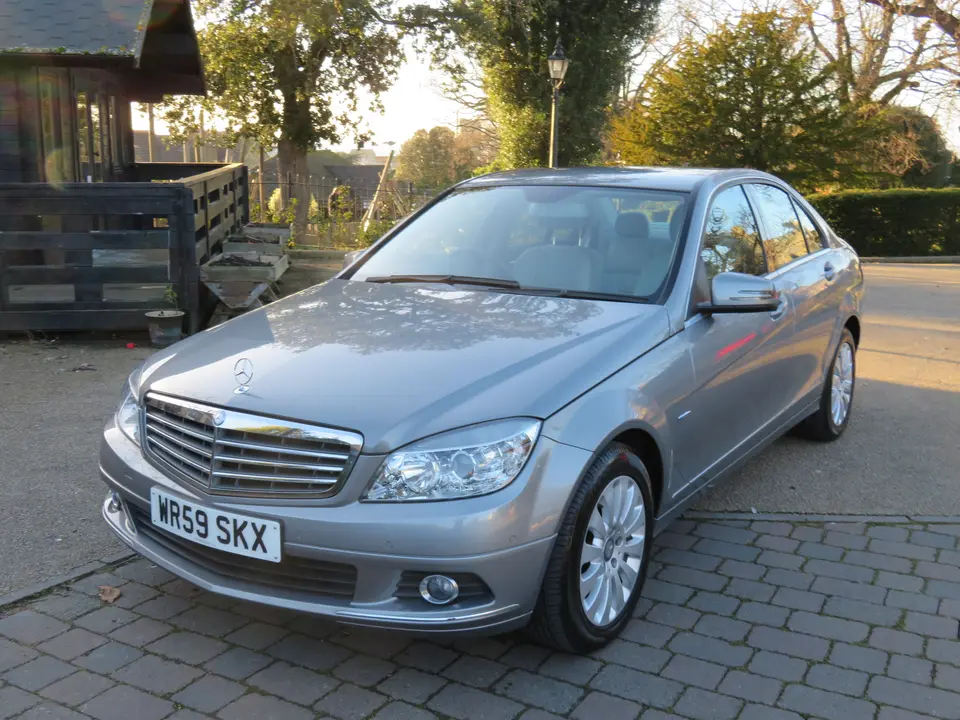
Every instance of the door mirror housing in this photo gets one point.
(732, 292)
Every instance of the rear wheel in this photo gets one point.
(836, 400)
(599, 562)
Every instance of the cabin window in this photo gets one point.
(56, 128)
(114, 123)
(96, 127)
(83, 138)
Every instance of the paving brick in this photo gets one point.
(877, 561)
(903, 549)
(714, 603)
(858, 658)
(677, 542)
(314, 654)
(931, 625)
(350, 702)
(825, 704)
(730, 551)
(238, 663)
(817, 551)
(141, 632)
(491, 648)
(648, 633)
(711, 649)
(526, 657)
(799, 599)
(788, 643)
(762, 712)
(364, 670)
(779, 544)
(71, 644)
(475, 671)
(90, 585)
(643, 606)
(600, 705)
(265, 613)
(156, 675)
(911, 669)
(705, 705)
(847, 682)
(896, 581)
(861, 592)
(293, 683)
(466, 703)
(39, 673)
(105, 620)
(51, 711)
(659, 715)
(691, 578)
(749, 590)
(950, 608)
(65, 605)
(789, 578)
(638, 657)
(575, 669)
(402, 711)
(933, 539)
(910, 696)
(912, 601)
(742, 570)
(763, 614)
(164, 607)
(209, 621)
(13, 654)
(257, 707)
(726, 533)
(841, 571)
(845, 540)
(133, 593)
(14, 701)
(657, 589)
(645, 688)
(123, 702)
(778, 666)
(673, 615)
(29, 627)
(768, 527)
(753, 688)
(77, 688)
(862, 611)
(691, 671)
(787, 561)
(945, 676)
(184, 714)
(688, 558)
(888, 532)
(943, 589)
(896, 641)
(182, 589)
(426, 656)
(807, 534)
(828, 627)
(723, 628)
(944, 651)
(385, 644)
(411, 685)
(187, 647)
(145, 572)
(109, 657)
(531, 689)
(938, 571)
(891, 713)
(209, 693)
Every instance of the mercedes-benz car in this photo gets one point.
(482, 422)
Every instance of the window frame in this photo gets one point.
(764, 232)
(798, 208)
(742, 185)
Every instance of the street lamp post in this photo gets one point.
(558, 65)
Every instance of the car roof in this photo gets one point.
(677, 179)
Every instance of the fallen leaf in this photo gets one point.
(86, 367)
(108, 593)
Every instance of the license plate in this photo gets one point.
(232, 533)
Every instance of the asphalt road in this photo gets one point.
(900, 455)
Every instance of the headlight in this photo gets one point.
(128, 416)
(463, 463)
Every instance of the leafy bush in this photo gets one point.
(895, 223)
(376, 230)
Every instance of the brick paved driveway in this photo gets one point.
(757, 621)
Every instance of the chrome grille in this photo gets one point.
(238, 453)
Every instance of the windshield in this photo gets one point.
(582, 240)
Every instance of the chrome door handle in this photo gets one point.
(781, 309)
(829, 272)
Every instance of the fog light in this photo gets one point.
(439, 589)
(114, 504)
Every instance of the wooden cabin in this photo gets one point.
(89, 238)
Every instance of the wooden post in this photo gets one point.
(149, 132)
(263, 208)
(200, 143)
(377, 194)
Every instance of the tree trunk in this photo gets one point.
(293, 165)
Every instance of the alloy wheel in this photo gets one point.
(841, 392)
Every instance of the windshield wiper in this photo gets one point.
(589, 295)
(447, 279)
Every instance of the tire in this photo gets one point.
(559, 619)
(822, 425)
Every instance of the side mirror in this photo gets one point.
(732, 292)
(351, 257)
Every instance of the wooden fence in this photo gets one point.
(98, 256)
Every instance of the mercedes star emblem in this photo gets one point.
(243, 374)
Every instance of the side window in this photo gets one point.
(783, 241)
(731, 241)
(813, 236)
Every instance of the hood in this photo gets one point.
(399, 362)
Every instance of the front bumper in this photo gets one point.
(504, 539)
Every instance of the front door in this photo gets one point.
(731, 354)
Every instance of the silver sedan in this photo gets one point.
(482, 422)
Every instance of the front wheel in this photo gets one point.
(836, 400)
(599, 562)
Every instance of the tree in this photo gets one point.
(511, 43)
(289, 73)
(747, 96)
(426, 159)
(910, 150)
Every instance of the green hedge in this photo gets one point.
(895, 223)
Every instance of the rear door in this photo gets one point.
(731, 353)
(798, 274)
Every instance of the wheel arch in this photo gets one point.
(853, 325)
